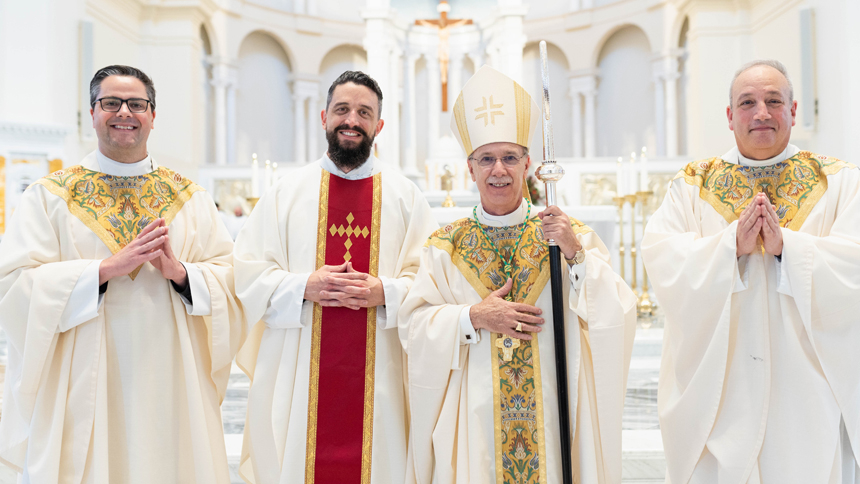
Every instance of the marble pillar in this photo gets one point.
(314, 130)
(434, 101)
(299, 128)
(659, 108)
(224, 82)
(590, 123)
(576, 120)
(671, 77)
(410, 165)
(391, 107)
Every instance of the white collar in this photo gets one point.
(365, 170)
(115, 168)
(516, 217)
(734, 156)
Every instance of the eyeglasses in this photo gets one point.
(508, 160)
(114, 104)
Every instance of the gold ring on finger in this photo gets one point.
(519, 327)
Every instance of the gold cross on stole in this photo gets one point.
(507, 345)
(349, 230)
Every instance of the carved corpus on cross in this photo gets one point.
(443, 24)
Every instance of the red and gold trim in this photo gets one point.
(341, 394)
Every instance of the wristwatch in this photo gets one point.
(578, 257)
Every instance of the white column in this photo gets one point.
(576, 118)
(671, 80)
(659, 108)
(223, 80)
(314, 129)
(509, 39)
(299, 6)
(379, 43)
(410, 167)
(231, 124)
(300, 128)
(391, 104)
(311, 8)
(434, 105)
(455, 78)
(220, 121)
(590, 123)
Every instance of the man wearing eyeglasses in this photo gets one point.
(482, 379)
(116, 296)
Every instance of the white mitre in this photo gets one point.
(493, 108)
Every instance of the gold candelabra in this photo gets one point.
(619, 202)
(645, 306)
(631, 199)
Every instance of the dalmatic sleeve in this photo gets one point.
(208, 247)
(824, 275)
(35, 286)
(693, 276)
(420, 224)
(430, 324)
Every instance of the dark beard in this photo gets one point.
(348, 157)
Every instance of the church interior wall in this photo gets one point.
(263, 100)
(625, 97)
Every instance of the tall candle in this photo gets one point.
(255, 177)
(643, 171)
(633, 179)
(267, 177)
(619, 178)
(274, 173)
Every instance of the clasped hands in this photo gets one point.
(152, 244)
(759, 219)
(343, 286)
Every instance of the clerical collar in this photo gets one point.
(115, 168)
(734, 156)
(516, 217)
(363, 171)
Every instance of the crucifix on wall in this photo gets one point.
(443, 24)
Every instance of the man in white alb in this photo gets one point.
(116, 296)
(755, 259)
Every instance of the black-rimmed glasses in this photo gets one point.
(114, 104)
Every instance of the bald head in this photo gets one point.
(773, 64)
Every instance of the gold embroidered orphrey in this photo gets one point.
(118, 208)
(520, 445)
(794, 185)
(488, 111)
(349, 230)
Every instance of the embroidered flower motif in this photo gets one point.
(516, 375)
(114, 221)
(535, 462)
(143, 222)
(517, 401)
(506, 461)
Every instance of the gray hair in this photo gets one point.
(763, 62)
(118, 70)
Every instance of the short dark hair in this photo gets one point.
(355, 77)
(117, 70)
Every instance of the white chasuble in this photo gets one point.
(276, 252)
(482, 416)
(132, 393)
(760, 380)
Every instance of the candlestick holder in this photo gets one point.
(645, 307)
(631, 199)
(619, 202)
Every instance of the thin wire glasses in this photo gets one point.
(508, 160)
(114, 104)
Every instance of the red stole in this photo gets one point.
(340, 407)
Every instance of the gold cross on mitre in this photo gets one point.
(349, 230)
(443, 24)
(507, 345)
(487, 111)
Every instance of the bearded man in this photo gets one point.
(323, 264)
(755, 258)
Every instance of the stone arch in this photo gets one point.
(264, 104)
(625, 114)
(560, 102)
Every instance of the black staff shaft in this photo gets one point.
(560, 362)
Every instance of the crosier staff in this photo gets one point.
(550, 172)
